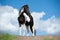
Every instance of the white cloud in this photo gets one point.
(37, 16)
(8, 21)
(51, 25)
(8, 18)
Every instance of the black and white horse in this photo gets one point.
(26, 18)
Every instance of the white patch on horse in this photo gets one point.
(26, 17)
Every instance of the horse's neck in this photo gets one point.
(27, 18)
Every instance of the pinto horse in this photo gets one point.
(26, 18)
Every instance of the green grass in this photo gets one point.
(7, 37)
(46, 39)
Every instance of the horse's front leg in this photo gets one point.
(27, 30)
(20, 31)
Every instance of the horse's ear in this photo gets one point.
(27, 6)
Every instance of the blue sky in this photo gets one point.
(50, 7)
(48, 10)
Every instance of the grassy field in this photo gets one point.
(7, 37)
(39, 38)
(14, 37)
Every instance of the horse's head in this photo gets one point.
(24, 9)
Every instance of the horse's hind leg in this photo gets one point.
(33, 30)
